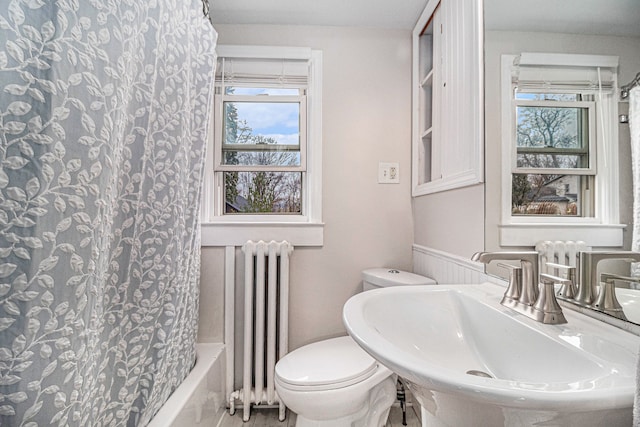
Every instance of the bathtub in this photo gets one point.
(199, 400)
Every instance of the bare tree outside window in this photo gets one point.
(549, 137)
(259, 191)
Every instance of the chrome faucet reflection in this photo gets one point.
(590, 290)
(588, 266)
(524, 294)
(607, 301)
(598, 292)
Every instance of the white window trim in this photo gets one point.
(300, 230)
(602, 230)
(591, 108)
(218, 144)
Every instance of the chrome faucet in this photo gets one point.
(529, 264)
(522, 294)
(588, 266)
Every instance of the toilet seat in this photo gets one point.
(325, 365)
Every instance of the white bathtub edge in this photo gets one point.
(208, 354)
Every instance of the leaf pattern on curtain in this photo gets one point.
(103, 115)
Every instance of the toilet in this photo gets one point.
(336, 383)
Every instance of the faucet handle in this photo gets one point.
(610, 277)
(568, 289)
(606, 300)
(546, 309)
(548, 279)
(571, 270)
(514, 289)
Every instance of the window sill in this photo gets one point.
(594, 235)
(237, 233)
(464, 179)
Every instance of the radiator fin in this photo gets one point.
(559, 252)
(266, 307)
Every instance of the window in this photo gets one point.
(260, 148)
(555, 154)
(264, 161)
(559, 178)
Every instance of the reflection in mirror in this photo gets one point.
(548, 26)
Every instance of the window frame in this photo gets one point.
(591, 133)
(219, 145)
(306, 229)
(603, 228)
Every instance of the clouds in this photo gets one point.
(288, 139)
(279, 120)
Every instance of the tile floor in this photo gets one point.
(269, 418)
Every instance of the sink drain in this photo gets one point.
(479, 373)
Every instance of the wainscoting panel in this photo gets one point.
(446, 268)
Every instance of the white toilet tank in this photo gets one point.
(373, 278)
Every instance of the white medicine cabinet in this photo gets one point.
(447, 83)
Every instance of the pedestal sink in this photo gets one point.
(470, 361)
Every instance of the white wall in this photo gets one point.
(502, 42)
(366, 119)
(451, 221)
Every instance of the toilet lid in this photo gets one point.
(327, 364)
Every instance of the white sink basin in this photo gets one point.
(630, 301)
(437, 337)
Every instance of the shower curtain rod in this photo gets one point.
(624, 90)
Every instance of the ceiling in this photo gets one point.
(606, 17)
(401, 14)
(603, 17)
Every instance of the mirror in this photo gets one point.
(596, 27)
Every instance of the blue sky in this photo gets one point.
(279, 121)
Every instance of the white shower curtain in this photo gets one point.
(634, 129)
(103, 115)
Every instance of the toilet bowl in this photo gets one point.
(334, 382)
